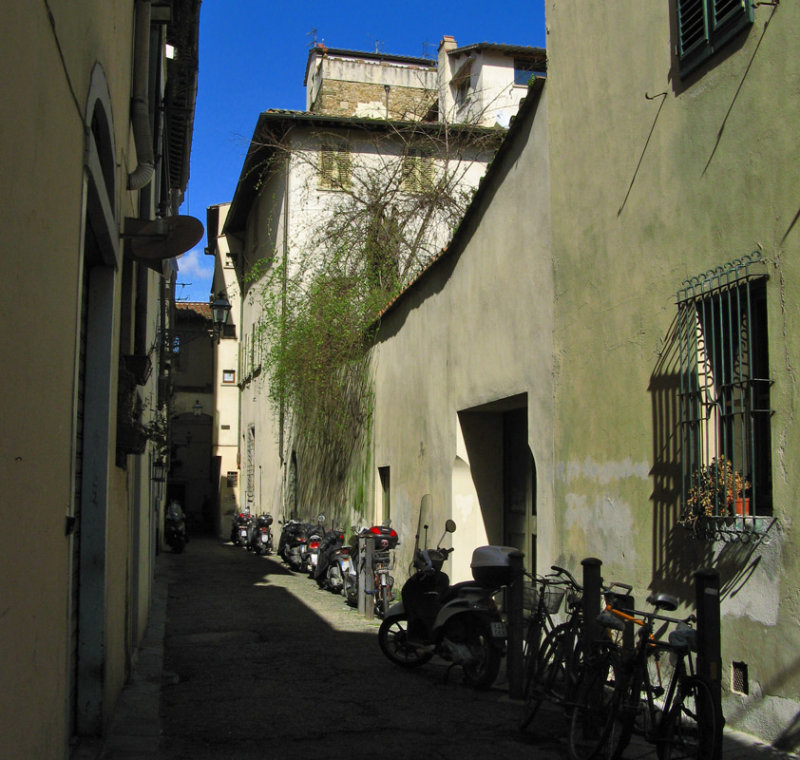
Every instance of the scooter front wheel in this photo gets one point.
(482, 671)
(350, 590)
(394, 643)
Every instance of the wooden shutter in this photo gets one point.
(704, 26)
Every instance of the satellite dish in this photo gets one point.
(157, 239)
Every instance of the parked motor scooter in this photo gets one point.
(175, 527)
(460, 623)
(261, 539)
(327, 573)
(239, 528)
(385, 540)
(314, 536)
(292, 544)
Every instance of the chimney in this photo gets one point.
(444, 75)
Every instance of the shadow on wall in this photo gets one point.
(677, 552)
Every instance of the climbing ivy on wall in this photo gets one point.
(386, 218)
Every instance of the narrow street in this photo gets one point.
(259, 663)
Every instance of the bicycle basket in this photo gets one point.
(552, 599)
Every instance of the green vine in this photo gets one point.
(377, 233)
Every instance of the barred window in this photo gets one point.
(335, 166)
(725, 392)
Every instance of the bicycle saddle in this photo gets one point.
(683, 639)
(663, 602)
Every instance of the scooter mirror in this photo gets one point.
(321, 519)
(450, 526)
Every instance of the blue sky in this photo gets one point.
(253, 57)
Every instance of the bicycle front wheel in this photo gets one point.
(595, 702)
(689, 728)
(543, 668)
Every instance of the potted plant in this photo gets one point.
(717, 490)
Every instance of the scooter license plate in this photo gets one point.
(264, 539)
(242, 532)
(346, 565)
(314, 559)
(498, 630)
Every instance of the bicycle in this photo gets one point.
(682, 724)
(597, 674)
(550, 660)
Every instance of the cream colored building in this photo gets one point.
(85, 313)
(285, 194)
(225, 452)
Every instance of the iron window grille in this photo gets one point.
(705, 26)
(725, 397)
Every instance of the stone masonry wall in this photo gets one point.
(338, 98)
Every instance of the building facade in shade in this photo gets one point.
(191, 414)
(601, 364)
(96, 107)
(371, 118)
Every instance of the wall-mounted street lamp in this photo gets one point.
(197, 408)
(220, 307)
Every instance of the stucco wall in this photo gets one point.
(308, 207)
(472, 331)
(654, 180)
(42, 156)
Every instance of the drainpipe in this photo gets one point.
(142, 135)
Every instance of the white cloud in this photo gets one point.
(195, 273)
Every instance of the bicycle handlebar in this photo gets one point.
(561, 571)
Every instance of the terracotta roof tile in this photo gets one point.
(200, 308)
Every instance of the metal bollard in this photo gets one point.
(515, 626)
(592, 583)
(709, 657)
(366, 579)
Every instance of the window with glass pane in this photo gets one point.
(725, 391)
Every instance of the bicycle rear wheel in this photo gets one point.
(595, 702)
(689, 728)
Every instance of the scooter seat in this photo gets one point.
(457, 588)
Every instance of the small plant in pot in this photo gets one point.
(717, 490)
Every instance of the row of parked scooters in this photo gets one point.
(253, 532)
(333, 561)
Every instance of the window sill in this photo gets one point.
(750, 529)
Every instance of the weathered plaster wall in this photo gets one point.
(476, 328)
(654, 180)
(308, 207)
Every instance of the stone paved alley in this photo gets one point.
(245, 659)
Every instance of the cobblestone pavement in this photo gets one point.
(245, 659)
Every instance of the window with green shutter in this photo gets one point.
(334, 166)
(705, 26)
(417, 170)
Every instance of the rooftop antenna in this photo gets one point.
(313, 35)
(378, 46)
(427, 49)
